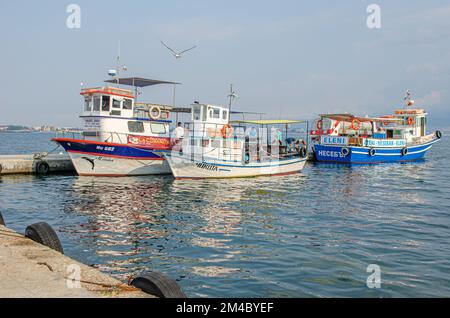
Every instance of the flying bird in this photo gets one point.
(177, 55)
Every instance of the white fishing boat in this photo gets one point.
(120, 135)
(215, 147)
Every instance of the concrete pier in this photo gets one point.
(40, 163)
(30, 270)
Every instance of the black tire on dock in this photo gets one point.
(2, 221)
(43, 233)
(158, 284)
(42, 168)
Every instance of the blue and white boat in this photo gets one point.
(345, 138)
(120, 136)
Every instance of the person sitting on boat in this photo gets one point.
(277, 136)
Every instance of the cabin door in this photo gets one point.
(389, 133)
(422, 126)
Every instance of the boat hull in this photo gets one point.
(362, 155)
(92, 158)
(185, 168)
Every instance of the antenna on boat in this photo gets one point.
(408, 98)
(119, 67)
(232, 96)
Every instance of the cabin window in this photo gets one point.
(196, 112)
(216, 113)
(158, 128)
(127, 104)
(105, 103)
(205, 143)
(225, 115)
(215, 143)
(116, 103)
(96, 103)
(88, 104)
(136, 126)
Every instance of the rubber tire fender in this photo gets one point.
(372, 152)
(44, 234)
(345, 151)
(158, 284)
(2, 221)
(42, 168)
(404, 151)
(438, 134)
(303, 152)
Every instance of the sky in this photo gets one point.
(289, 59)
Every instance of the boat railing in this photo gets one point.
(206, 140)
(420, 140)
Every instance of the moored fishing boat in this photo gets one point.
(120, 135)
(345, 138)
(215, 147)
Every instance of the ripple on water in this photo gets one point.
(311, 234)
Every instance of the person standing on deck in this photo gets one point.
(177, 134)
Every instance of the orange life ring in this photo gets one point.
(356, 124)
(319, 124)
(227, 131)
(411, 121)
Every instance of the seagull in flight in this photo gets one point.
(177, 55)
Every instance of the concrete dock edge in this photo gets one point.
(31, 270)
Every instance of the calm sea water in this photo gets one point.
(311, 234)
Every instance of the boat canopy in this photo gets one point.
(349, 118)
(138, 81)
(268, 121)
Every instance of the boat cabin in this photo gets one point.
(111, 114)
(212, 136)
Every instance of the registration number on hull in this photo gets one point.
(206, 166)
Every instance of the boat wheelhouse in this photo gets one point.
(345, 138)
(119, 135)
(215, 147)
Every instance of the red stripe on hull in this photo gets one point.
(85, 141)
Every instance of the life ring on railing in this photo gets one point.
(154, 112)
(411, 121)
(356, 124)
(227, 131)
(319, 124)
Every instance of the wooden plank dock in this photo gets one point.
(32, 270)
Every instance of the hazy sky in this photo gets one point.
(291, 59)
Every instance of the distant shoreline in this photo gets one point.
(24, 131)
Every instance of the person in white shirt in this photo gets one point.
(177, 134)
